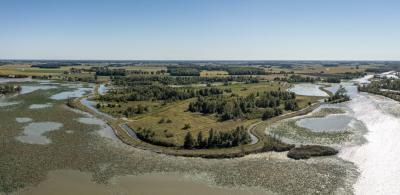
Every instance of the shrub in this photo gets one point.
(308, 151)
(187, 126)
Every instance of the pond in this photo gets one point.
(330, 123)
(71, 94)
(308, 89)
(102, 89)
(10, 80)
(40, 106)
(31, 88)
(23, 119)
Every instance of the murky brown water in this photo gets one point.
(66, 182)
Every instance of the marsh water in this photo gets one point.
(377, 159)
(330, 123)
(308, 89)
(56, 149)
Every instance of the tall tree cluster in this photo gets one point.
(236, 107)
(157, 92)
(217, 139)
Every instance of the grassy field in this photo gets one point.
(178, 115)
(26, 69)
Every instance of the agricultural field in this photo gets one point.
(316, 68)
(207, 73)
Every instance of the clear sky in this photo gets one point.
(200, 29)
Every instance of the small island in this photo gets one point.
(339, 96)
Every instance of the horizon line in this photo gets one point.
(206, 60)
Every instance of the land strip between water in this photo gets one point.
(261, 143)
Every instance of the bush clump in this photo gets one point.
(308, 151)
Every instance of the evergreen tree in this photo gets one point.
(189, 141)
(201, 142)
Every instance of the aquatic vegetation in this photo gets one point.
(78, 146)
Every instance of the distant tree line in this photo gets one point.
(171, 80)
(337, 76)
(194, 70)
(332, 80)
(104, 71)
(157, 92)
(183, 71)
(55, 65)
(296, 79)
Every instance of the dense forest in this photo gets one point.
(238, 107)
(154, 92)
(183, 71)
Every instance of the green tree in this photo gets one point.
(201, 142)
(189, 141)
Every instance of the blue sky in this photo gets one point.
(200, 29)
